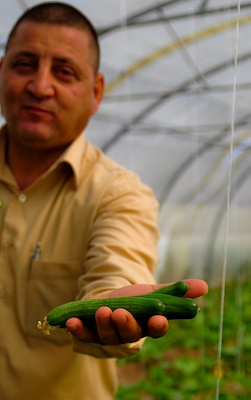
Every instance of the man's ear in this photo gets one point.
(99, 89)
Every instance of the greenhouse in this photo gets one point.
(176, 111)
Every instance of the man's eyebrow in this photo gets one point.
(63, 60)
(25, 53)
(67, 61)
(32, 54)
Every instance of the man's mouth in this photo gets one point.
(37, 111)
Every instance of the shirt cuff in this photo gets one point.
(107, 351)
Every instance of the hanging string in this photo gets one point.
(225, 259)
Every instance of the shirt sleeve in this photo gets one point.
(122, 249)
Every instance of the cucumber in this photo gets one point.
(177, 307)
(179, 289)
(139, 307)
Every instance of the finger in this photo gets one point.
(81, 332)
(157, 326)
(197, 288)
(128, 328)
(107, 331)
(132, 290)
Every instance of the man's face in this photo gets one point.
(48, 87)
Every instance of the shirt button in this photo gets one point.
(22, 198)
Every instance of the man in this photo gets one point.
(74, 225)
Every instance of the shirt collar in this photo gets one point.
(5, 172)
(72, 156)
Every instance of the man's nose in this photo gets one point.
(41, 83)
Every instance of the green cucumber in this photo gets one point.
(177, 307)
(139, 307)
(179, 289)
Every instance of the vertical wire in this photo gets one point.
(240, 332)
(224, 269)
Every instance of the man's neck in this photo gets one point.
(27, 165)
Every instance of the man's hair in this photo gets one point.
(60, 14)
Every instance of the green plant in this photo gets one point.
(185, 364)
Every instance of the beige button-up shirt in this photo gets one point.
(87, 226)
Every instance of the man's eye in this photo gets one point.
(65, 73)
(23, 64)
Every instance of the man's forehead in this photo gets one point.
(28, 31)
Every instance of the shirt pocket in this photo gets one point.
(50, 285)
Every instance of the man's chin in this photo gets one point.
(32, 133)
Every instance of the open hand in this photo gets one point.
(119, 326)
